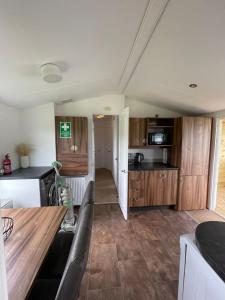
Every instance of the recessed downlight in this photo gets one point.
(193, 85)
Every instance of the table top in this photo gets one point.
(33, 232)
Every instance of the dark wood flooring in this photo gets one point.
(137, 259)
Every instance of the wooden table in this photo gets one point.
(33, 232)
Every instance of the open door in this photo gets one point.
(123, 159)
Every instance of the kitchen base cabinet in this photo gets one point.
(151, 188)
(136, 192)
(192, 192)
(165, 188)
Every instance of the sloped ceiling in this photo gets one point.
(89, 39)
(150, 50)
(188, 46)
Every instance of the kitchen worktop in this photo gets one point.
(150, 166)
(28, 173)
(210, 240)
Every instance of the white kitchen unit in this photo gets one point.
(197, 280)
(23, 192)
(28, 187)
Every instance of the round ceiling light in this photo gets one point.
(193, 85)
(100, 116)
(51, 72)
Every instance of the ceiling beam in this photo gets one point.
(149, 22)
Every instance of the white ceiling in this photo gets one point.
(91, 40)
(105, 46)
(187, 46)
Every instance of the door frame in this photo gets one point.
(214, 165)
(117, 149)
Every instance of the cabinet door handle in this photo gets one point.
(74, 148)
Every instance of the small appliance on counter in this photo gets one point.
(138, 158)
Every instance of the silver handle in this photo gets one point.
(123, 171)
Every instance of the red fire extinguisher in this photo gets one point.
(7, 165)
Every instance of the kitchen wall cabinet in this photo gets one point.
(72, 148)
(137, 132)
(191, 154)
(154, 187)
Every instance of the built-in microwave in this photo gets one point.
(157, 138)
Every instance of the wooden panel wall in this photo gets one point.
(221, 176)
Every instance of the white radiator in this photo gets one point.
(77, 185)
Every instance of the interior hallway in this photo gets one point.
(105, 189)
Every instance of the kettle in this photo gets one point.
(138, 158)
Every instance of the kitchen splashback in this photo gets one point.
(150, 155)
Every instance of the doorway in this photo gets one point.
(106, 158)
(220, 197)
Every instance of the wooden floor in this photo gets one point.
(220, 203)
(105, 189)
(204, 215)
(137, 259)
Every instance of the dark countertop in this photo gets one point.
(151, 166)
(28, 173)
(210, 240)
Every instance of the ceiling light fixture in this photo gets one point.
(50, 72)
(193, 85)
(100, 116)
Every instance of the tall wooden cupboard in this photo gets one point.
(191, 154)
(72, 144)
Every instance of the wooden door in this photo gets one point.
(137, 132)
(136, 187)
(196, 135)
(165, 187)
(72, 151)
(192, 192)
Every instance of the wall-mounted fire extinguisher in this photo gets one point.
(7, 165)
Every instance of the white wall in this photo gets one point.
(38, 130)
(144, 110)
(9, 133)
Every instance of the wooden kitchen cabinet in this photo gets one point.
(192, 193)
(154, 187)
(72, 151)
(137, 132)
(195, 147)
(191, 154)
(136, 189)
(165, 187)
